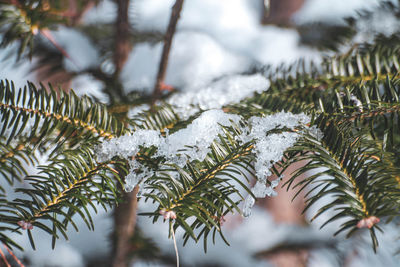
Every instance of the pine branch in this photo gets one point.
(74, 118)
(73, 180)
(160, 117)
(202, 190)
(362, 64)
(13, 157)
(357, 174)
(67, 186)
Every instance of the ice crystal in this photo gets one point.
(248, 204)
(193, 142)
(269, 148)
(271, 135)
(128, 145)
(315, 132)
(225, 91)
(133, 178)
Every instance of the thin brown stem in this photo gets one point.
(280, 12)
(125, 222)
(162, 69)
(15, 257)
(122, 28)
(284, 209)
(4, 258)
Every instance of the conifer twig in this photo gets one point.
(4, 258)
(15, 257)
(162, 69)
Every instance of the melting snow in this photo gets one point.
(225, 91)
(269, 149)
(191, 143)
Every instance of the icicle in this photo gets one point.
(248, 204)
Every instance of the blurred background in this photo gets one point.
(213, 39)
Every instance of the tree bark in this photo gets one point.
(176, 11)
(122, 28)
(280, 12)
(124, 225)
(286, 211)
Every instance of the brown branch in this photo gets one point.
(124, 225)
(4, 258)
(280, 12)
(15, 257)
(286, 210)
(122, 44)
(75, 13)
(125, 213)
(173, 21)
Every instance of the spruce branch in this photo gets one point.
(69, 185)
(72, 116)
(13, 157)
(200, 189)
(362, 183)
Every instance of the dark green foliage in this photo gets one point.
(353, 99)
(20, 23)
(68, 116)
(355, 161)
(12, 159)
(356, 172)
(324, 35)
(67, 128)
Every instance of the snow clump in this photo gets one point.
(191, 143)
(225, 91)
(269, 149)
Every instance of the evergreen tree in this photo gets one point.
(189, 154)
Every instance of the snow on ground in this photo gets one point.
(331, 11)
(246, 237)
(227, 40)
(18, 73)
(207, 61)
(82, 53)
